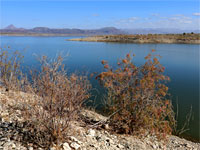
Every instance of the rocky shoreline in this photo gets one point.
(83, 135)
(149, 38)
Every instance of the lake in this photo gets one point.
(180, 60)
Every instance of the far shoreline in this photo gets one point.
(185, 38)
(40, 35)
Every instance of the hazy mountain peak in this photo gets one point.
(40, 28)
(11, 27)
(109, 28)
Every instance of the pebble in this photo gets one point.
(75, 139)
(66, 146)
(52, 148)
(91, 132)
(30, 148)
(75, 145)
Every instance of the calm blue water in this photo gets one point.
(181, 62)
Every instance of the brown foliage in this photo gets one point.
(138, 95)
(10, 73)
(59, 98)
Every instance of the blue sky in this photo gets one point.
(96, 14)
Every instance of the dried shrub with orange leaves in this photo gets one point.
(58, 100)
(136, 97)
(10, 73)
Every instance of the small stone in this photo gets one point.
(120, 146)
(106, 132)
(92, 145)
(75, 145)
(75, 140)
(98, 138)
(114, 136)
(106, 126)
(52, 148)
(66, 146)
(160, 146)
(126, 146)
(91, 132)
(154, 146)
(30, 148)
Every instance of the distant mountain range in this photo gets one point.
(45, 30)
(11, 29)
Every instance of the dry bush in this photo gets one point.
(136, 97)
(59, 98)
(10, 73)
